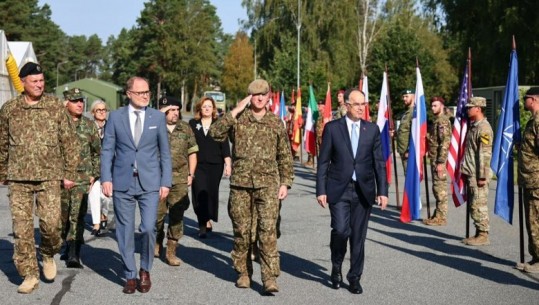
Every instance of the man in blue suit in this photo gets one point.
(136, 168)
(351, 176)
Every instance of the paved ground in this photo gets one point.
(405, 263)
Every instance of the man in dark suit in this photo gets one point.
(136, 165)
(351, 176)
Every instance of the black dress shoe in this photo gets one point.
(336, 278)
(96, 232)
(355, 287)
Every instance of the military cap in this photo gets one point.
(73, 94)
(258, 86)
(437, 99)
(30, 68)
(533, 91)
(477, 101)
(167, 101)
(408, 91)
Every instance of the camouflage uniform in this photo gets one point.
(476, 165)
(319, 129)
(261, 164)
(75, 200)
(528, 170)
(182, 144)
(439, 140)
(37, 150)
(403, 135)
(341, 111)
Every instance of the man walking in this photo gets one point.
(136, 147)
(351, 176)
(37, 151)
(262, 174)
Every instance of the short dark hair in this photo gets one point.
(349, 91)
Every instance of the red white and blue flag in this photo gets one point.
(458, 141)
(411, 203)
(383, 124)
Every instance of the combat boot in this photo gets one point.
(435, 221)
(49, 268)
(158, 249)
(532, 268)
(243, 281)
(465, 240)
(171, 258)
(73, 256)
(480, 240)
(270, 286)
(29, 284)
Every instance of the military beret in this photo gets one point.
(258, 86)
(30, 68)
(437, 99)
(533, 91)
(167, 101)
(408, 91)
(73, 94)
(477, 101)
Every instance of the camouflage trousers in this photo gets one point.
(74, 208)
(254, 217)
(21, 202)
(439, 189)
(241, 206)
(478, 199)
(175, 204)
(404, 165)
(531, 209)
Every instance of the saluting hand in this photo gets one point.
(241, 106)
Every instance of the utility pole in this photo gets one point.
(298, 27)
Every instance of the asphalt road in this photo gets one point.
(405, 263)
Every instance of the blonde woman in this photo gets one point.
(213, 159)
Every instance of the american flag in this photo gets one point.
(458, 138)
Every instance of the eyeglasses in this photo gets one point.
(141, 93)
(101, 110)
(356, 105)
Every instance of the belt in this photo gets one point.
(135, 174)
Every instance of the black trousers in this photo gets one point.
(349, 221)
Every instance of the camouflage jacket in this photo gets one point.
(182, 143)
(261, 150)
(439, 139)
(319, 130)
(478, 150)
(528, 167)
(403, 134)
(37, 142)
(89, 164)
(341, 111)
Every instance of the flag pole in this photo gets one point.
(468, 208)
(520, 198)
(425, 171)
(392, 131)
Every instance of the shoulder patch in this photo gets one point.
(485, 138)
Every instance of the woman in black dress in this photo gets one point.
(211, 158)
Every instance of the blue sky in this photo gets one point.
(108, 17)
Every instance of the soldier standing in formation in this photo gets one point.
(476, 168)
(341, 110)
(38, 152)
(528, 170)
(183, 149)
(439, 140)
(75, 199)
(261, 177)
(403, 133)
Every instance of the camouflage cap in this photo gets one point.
(30, 68)
(534, 91)
(258, 86)
(477, 101)
(73, 94)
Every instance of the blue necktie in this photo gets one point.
(355, 141)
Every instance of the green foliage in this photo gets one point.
(238, 68)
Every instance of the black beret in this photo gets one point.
(166, 101)
(533, 91)
(30, 68)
